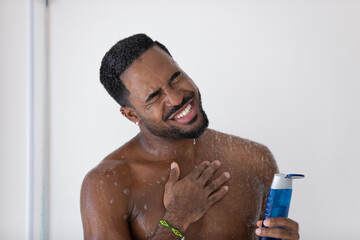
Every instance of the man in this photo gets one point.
(175, 178)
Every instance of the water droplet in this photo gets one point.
(145, 207)
(115, 183)
(107, 175)
(194, 141)
(163, 178)
(158, 181)
(111, 201)
(101, 181)
(126, 191)
(125, 217)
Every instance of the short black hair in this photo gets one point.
(118, 59)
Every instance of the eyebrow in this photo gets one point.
(157, 92)
(172, 78)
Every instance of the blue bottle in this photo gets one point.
(278, 201)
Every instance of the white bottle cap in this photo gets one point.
(281, 182)
(284, 181)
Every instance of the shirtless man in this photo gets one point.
(206, 184)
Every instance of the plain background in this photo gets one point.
(283, 73)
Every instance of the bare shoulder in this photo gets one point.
(250, 154)
(108, 173)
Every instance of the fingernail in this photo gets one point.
(217, 162)
(227, 175)
(258, 231)
(173, 164)
(267, 222)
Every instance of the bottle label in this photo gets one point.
(277, 205)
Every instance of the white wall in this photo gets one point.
(13, 119)
(283, 73)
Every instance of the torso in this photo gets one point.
(251, 168)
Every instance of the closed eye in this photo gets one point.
(154, 94)
(174, 79)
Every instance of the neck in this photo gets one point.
(164, 149)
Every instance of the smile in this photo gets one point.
(184, 113)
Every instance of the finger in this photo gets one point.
(282, 222)
(259, 224)
(199, 169)
(216, 196)
(214, 185)
(277, 233)
(209, 171)
(174, 174)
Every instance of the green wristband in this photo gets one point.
(174, 230)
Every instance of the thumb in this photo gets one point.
(174, 173)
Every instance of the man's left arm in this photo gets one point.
(279, 227)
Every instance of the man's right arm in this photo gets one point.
(104, 211)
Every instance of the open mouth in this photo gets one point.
(186, 114)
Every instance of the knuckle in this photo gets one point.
(279, 232)
(212, 186)
(297, 226)
(263, 231)
(201, 166)
(208, 174)
(212, 199)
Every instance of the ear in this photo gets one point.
(130, 114)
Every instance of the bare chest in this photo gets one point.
(233, 217)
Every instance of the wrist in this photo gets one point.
(177, 222)
(175, 231)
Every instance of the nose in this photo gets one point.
(173, 97)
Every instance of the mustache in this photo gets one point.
(175, 108)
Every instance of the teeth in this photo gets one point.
(185, 112)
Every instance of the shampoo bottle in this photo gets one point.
(278, 201)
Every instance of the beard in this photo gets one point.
(177, 132)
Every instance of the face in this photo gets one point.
(163, 97)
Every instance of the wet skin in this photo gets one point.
(217, 189)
